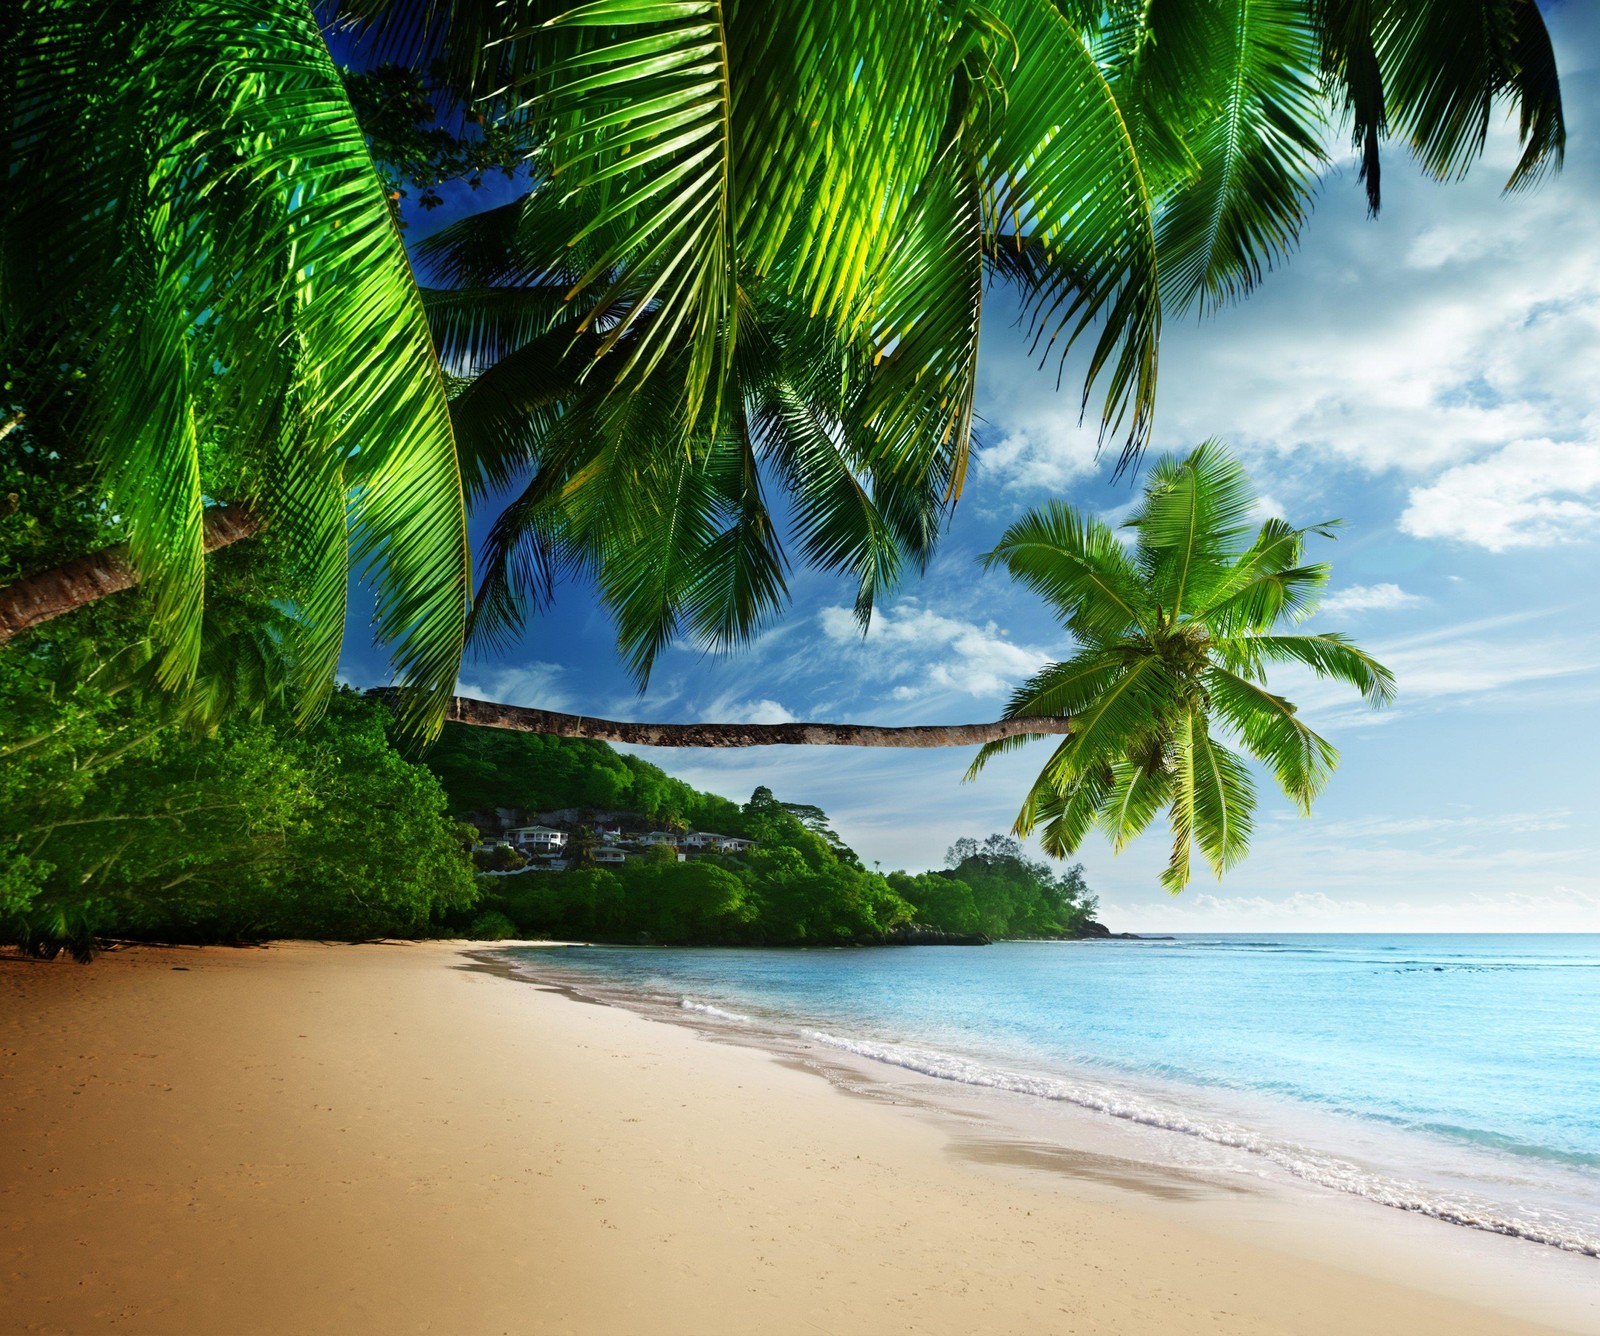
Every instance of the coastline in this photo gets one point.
(347, 1139)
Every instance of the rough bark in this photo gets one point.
(521, 719)
(39, 598)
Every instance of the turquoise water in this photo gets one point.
(1453, 1075)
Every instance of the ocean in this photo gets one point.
(1456, 1076)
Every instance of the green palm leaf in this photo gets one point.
(1224, 799)
(1268, 582)
(1448, 61)
(1239, 74)
(1137, 795)
(1075, 563)
(639, 116)
(1189, 525)
(1065, 815)
(1064, 173)
(1273, 733)
(1148, 691)
(222, 271)
(1329, 655)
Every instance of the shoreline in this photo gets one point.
(384, 1137)
(993, 1123)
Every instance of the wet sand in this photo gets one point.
(392, 1138)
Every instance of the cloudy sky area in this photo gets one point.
(1429, 378)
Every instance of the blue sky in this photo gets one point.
(1430, 378)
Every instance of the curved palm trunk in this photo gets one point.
(522, 719)
(39, 598)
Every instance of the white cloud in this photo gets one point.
(1368, 598)
(935, 651)
(1528, 494)
(534, 685)
(1461, 319)
(729, 710)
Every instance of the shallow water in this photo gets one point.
(1458, 1076)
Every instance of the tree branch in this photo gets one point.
(522, 719)
(87, 579)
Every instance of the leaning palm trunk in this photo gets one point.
(521, 719)
(40, 598)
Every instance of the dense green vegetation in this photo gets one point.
(483, 768)
(799, 885)
(207, 814)
(128, 811)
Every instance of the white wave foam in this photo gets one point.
(1328, 1171)
(705, 1008)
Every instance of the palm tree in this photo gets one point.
(697, 307)
(203, 291)
(214, 302)
(1174, 640)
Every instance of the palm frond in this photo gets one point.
(1137, 795)
(1134, 705)
(1190, 525)
(1329, 655)
(638, 115)
(1065, 816)
(1075, 563)
(1267, 583)
(1353, 77)
(1237, 77)
(221, 269)
(1224, 800)
(1447, 62)
(1273, 733)
(1062, 170)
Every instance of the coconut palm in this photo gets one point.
(197, 273)
(1175, 635)
(643, 438)
(202, 290)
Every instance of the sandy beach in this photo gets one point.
(394, 1138)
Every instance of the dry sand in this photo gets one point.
(385, 1139)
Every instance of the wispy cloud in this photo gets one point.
(535, 685)
(923, 651)
(1355, 599)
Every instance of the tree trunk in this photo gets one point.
(39, 598)
(521, 719)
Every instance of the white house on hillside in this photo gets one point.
(538, 839)
(606, 854)
(702, 840)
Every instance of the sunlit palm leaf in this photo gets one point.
(223, 269)
(1063, 171)
(1239, 75)
(1189, 524)
(1136, 798)
(1077, 565)
(1224, 799)
(1328, 655)
(1273, 733)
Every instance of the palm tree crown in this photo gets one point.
(1175, 636)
